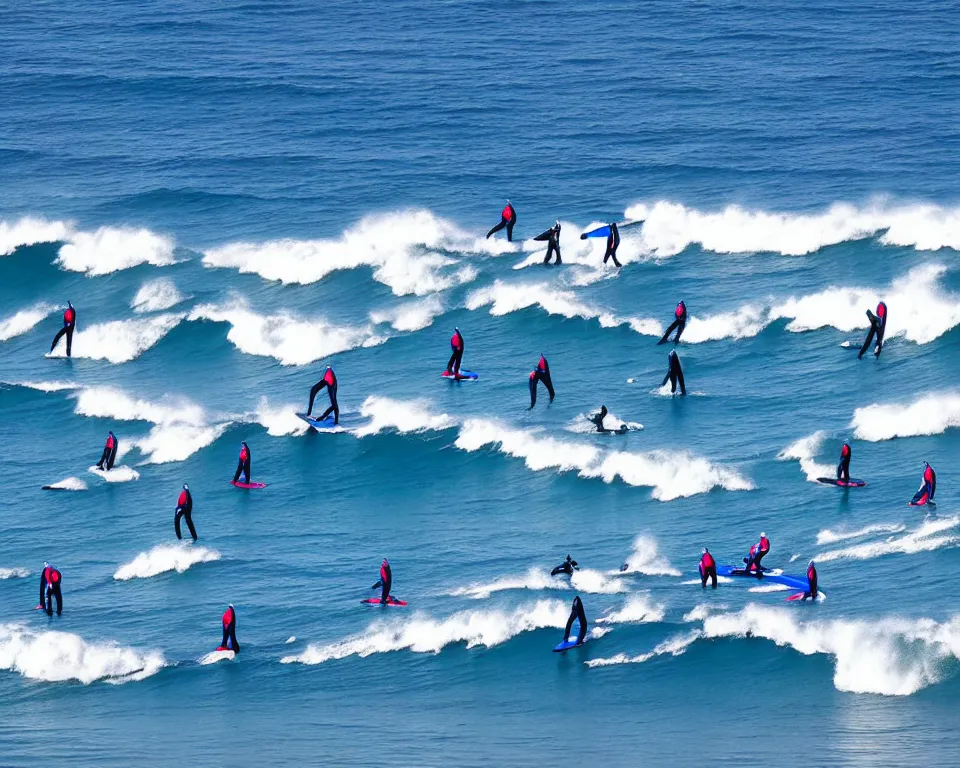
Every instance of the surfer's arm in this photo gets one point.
(377, 585)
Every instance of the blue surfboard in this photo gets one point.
(603, 231)
(462, 376)
(566, 646)
(327, 425)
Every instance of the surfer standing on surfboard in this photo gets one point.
(508, 217)
(674, 373)
(843, 468)
(812, 591)
(878, 326)
(613, 242)
(109, 455)
(568, 566)
(184, 510)
(386, 581)
(928, 487)
(707, 568)
(329, 381)
(576, 612)
(243, 465)
(229, 640)
(679, 322)
(540, 373)
(50, 581)
(757, 552)
(457, 345)
(69, 323)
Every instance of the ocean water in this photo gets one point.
(234, 195)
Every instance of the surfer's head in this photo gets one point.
(704, 551)
(185, 487)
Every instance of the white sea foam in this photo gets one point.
(890, 656)
(14, 573)
(423, 634)
(408, 251)
(31, 231)
(411, 315)
(639, 609)
(156, 296)
(53, 656)
(47, 386)
(119, 341)
(582, 425)
(673, 646)
(69, 484)
(279, 420)
(214, 656)
(403, 416)
(832, 537)
(646, 559)
(289, 339)
(932, 534)
(745, 322)
(119, 474)
(932, 414)
(163, 558)
(111, 249)
(671, 474)
(584, 580)
(24, 320)
(805, 451)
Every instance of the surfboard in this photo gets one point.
(543, 236)
(220, 654)
(391, 602)
(921, 504)
(462, 376)
(571, 643)
(771, 575)
(603, 231)
(853, 482)
(238, 484)
(326, 425)
(796, 597)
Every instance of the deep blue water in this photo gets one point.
(235, 195)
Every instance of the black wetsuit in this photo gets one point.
(878, 326)
(109, 455)
(598, 418)
(50, 582)
(457, 345)
(680, 322)
(508, 217)
(553, 245)
(568, 566)
(576, 612)
(184, 510)
(229, 639)
(386, 581)
(708, 570)
(541, 373)
(613, 242)
(69, 323)
(329, 380)
(812, 590)
(843, 468)
(243, 465)
(675, 374)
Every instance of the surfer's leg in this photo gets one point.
(683, 324)
(459, 359)
(58, 595)
(334, 404)
(57, 338)
(233, 638)
(103, 458)
(176, 522)
(246, 471)
(566, 630)
(713, 577)
(510, 230)
(683, 386)
(49, 601)
(673, 325)
(70, 341)
(226, 637)
(879, 343)
(236, 475)
(548, 383)
(867, 341)
(498, 227)
(189, 519)
(533, 389)
(703, 578)
(313, 394)
(582, 620)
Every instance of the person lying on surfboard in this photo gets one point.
(928, 487)
(457, 345)
(243, 465)
(540, 373)
(843, 468)
(386, 581)
(229, 621)
(812, 591)
(568, 566)
(329, 381)
(576, 612)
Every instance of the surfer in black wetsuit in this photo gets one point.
(508, 217)
(50, 581)
(229, 622)
(576, 612)
(568, 566)
(69, 324)
(552, 236)
(540, 373)
(109, 455)
(757, 552)
(878, 326)
(329, 380)
(386, 581)
(184, 510)
(457, 345)
(843, 468)
(812, 590)
(598, 419)
(613, 242)
(243, 464)
(674, 374)
(679, 323)
(707, 568)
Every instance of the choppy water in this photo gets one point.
(234, 196)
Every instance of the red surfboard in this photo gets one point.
(238, 484)
(391, 601)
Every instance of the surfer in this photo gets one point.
(708, 569)
(757, 552)
(598, 419)
(674, 373)
(568, 566)
(229, 640)
(329, 381)
(552, 236)
(878, 326)
(576, 612)
(457, 345)
(243, 465)
(812, 583)
(540, 373)
(50, 581)
(613, 242)
(184, 510)
(69, 323)
(386, 581)
(508, 217)
(843, 468)
(928, 486)
(109, 455)
(679, 322)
